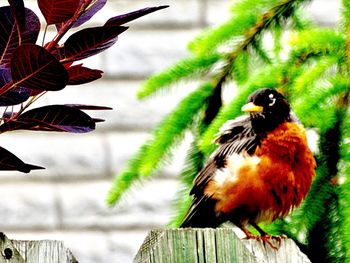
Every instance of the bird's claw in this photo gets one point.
(267, 239)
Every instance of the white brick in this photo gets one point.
(323, 12)
(27, 206)
(125, 245)
(63, 155)
(180, 13)
(139, 53)
(170, 17)
(123, 146)
(83, 206)
(128, 112)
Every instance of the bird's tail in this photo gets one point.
(202, 214)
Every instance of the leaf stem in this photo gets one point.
(64, 29)
(30, 102)
(6, 87)
(45, 31)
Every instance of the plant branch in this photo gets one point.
(68, 25)
(285, 9)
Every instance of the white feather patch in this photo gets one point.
(229, 174)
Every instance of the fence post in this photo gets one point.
(43, 251)
(208, 245)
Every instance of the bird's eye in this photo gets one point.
(273, 100)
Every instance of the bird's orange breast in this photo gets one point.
(272, 182)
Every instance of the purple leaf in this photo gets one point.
(81, 75)
(58, 118)
(88, 107)
(96, 120)
(14, 96)
(34, 67)
(58, 11)
(18, 12)
(10, 162)
(89, 42)
(125, 18)
(9, 37)
(90, 12)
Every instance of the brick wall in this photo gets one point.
(66, 201)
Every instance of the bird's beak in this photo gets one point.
(251, 107)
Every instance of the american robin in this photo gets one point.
(261, 170)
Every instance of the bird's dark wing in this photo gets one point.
(235, 136)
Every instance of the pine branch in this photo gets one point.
(316, 43)
(123, 181)
(187, 68)
(282, 10)
(249, 18)
(313, 73)
(240, 68)
(165, 136)
(173, 126)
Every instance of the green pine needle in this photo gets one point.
(184, 69)
(173, 127)
(152, 153)
(317, 42)
(212, 39)
(313, 73)
(127, 177)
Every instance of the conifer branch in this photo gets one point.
(284, 9)
(152, 154)
(184, 69)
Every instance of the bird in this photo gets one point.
(261, 170)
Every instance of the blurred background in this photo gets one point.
(67, 200)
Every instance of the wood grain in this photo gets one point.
(206, 245)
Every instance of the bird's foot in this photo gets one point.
(268, 239)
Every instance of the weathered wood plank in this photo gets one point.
(212, 246)
(43, 251)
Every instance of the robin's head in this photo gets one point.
(268, 108)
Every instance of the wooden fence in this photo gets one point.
(213, 246)
(44, 251)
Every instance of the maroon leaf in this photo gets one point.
(88, 107)
(58, 11)
(10, 162)
(96, 120)
(59, 118)
(90, 12)
(18, 12)
(14, 96)
(122, 19)
(89, 42)
(35, 68)
(81, 75)
(9, 37)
